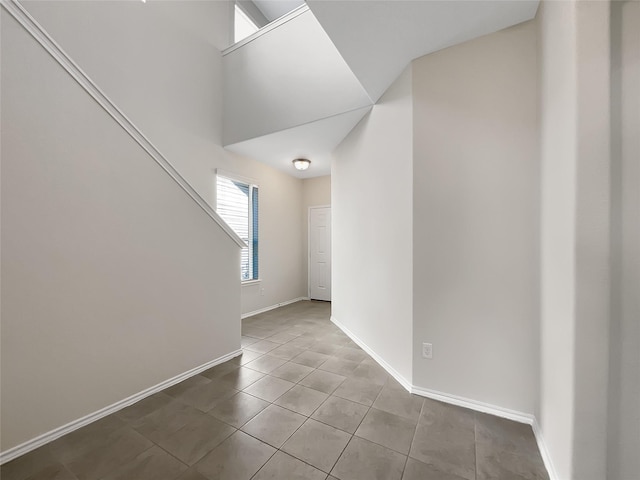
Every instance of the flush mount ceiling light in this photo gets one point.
(301, 163)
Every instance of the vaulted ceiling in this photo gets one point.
(299, 85)
(274, 9)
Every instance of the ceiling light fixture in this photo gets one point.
(301, 163)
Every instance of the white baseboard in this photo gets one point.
(475, 405)
(277, 305)
(390, 370)
(544, 451)
(516, 416)
(50, 436)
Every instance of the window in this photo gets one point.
(243, 26)
(238, 206)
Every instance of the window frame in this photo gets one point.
(254, 263)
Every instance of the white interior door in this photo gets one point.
(320, 253)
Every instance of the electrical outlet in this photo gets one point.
(262, 291)
(427, 350)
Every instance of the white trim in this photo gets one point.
(544, 451)
(237, 178)
(252, 186)
(247, 283)
(41, 36)
(272, 307)
(514, 415)
(267, 28)
(392, 371)
(50, 436)
(443, 397)
(309, 252)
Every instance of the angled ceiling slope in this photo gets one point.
(287, 75)
(298, 87)
(314, 141)
(379, 38)
(274, 9)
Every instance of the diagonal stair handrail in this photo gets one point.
(23, 17)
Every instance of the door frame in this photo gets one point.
(309, 246)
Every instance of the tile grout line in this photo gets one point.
(309, 417)
(353, 435)
(270, 403)
(279, 449)
(415, 431)
(268, 460)
(184, 463)
(308, 326)
(66, 464)
(319, 421)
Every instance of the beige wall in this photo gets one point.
(576, 192)
(160, 63)
(372, 222)
(123, 255)
(113, 279)
(315, 192)
(558, 155)
(593, 251)
(280, 242)
(492, 242)
(164, 70)
(624, 390)
(475, 223)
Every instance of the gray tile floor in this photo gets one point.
(302, 402)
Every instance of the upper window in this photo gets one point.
(238, 206)
(243, 25)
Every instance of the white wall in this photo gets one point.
(558, 156)
(624, 385)
(391, 34)
(288, 76)
(592, 253)
(160, 63)
(113, 279)
(371, 197)
(475, 236)
(315, 192)
(576, 190)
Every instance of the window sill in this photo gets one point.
(251, 282)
